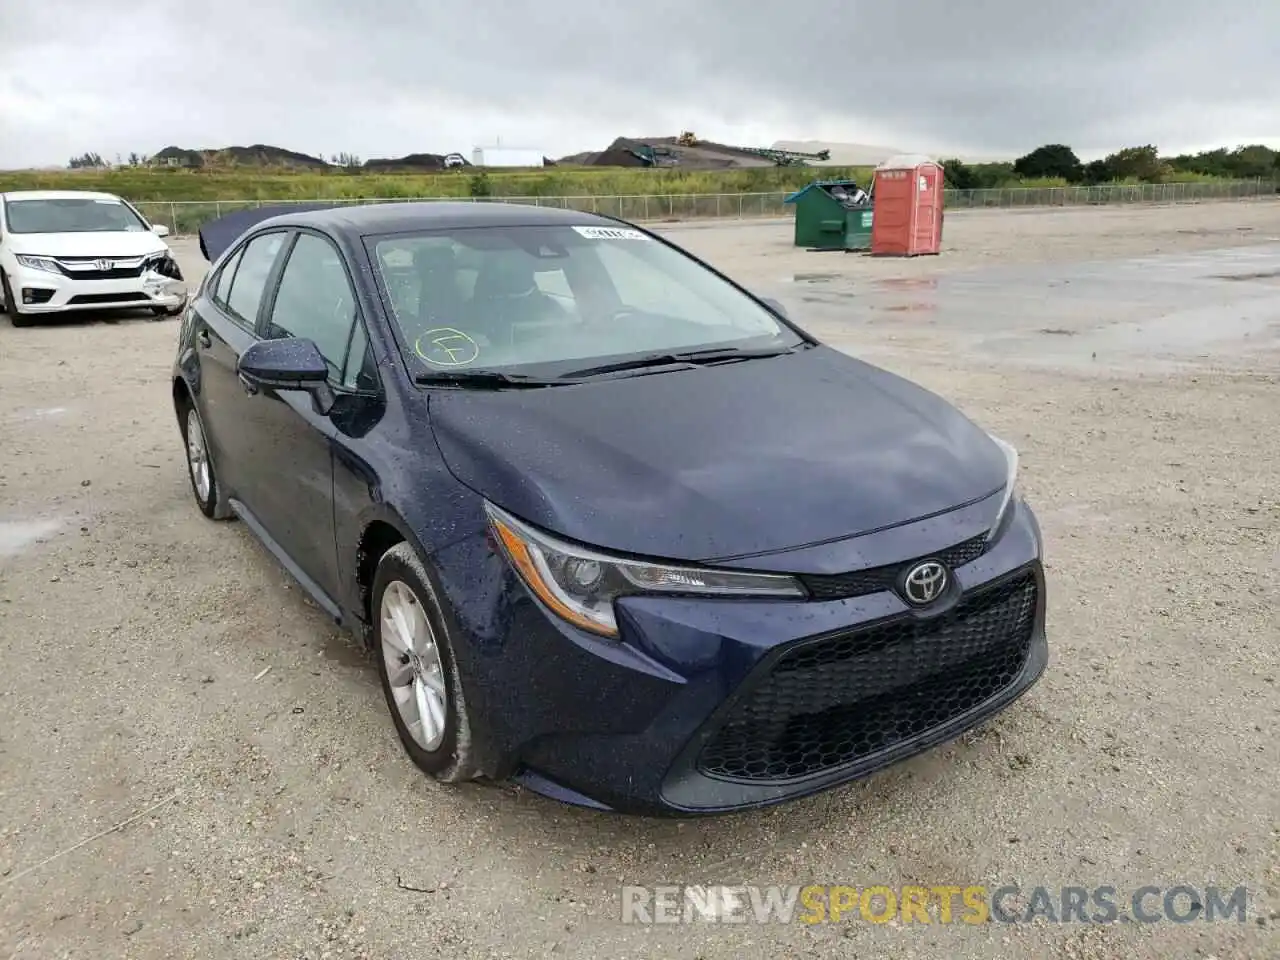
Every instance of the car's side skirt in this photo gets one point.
(326, 602)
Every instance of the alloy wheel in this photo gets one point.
(414, 669)
(198, 456)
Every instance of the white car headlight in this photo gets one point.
(37, 263)
(580, 585)
(1010, 483)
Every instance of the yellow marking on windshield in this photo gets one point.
(446, 347)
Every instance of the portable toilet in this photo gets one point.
(832, 215)
(908, 220)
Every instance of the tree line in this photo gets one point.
(94, 161)
(1058, 162)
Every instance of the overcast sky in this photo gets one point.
(985, 77)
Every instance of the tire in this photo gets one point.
(160, 313)
(11, 305)
(204, 483)
(402, 582)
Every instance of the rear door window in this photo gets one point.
(250, 280)
(222, 286)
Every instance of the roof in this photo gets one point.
(908, 161)
(368, 219)
(58, 195)
(371, 218)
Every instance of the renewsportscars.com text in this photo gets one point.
(941, 904)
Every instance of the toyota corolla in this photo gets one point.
(613, 526)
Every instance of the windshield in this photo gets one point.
(548, 300)
(71, 215)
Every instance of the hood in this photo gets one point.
(719, 462)
(118, 243)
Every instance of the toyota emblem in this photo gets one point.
(925, 583)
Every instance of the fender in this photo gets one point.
(351, 542)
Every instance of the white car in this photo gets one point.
(70, 250)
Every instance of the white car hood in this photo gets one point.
(122, 243)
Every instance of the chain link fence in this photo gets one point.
(187, 216)
(1110, 193)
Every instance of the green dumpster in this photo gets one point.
(832, 215)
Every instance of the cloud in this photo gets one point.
(984, 76)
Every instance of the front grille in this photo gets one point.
(859, 583)
(92, 298)
(82, 268)
(830, 702)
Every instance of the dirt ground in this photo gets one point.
(160, 669)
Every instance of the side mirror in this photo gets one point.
(775, 306)
(290, 363)
(159, 229)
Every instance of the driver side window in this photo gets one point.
(314, 300)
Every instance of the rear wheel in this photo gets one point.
(420, 677)
(16, 316)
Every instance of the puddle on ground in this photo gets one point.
(39, 413)
(815, 277)
(1260, 275)
(910, 308)
(908, 283)
(17, 535)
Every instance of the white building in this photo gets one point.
(506, 157)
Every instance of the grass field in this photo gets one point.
(256, 184)
(184, 200)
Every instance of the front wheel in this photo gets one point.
(161, 313)
(420, 677)
(16, 317)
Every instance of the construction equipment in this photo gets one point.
(786, 158)
(781, 158)
(652, 156)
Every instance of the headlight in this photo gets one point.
(165, 265)
(580, 585)
(37, 263)
(1010, 485)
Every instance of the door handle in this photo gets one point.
(204, 339)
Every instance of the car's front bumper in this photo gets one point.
(716, 705)
(41, 292)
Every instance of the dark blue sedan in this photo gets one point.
(614, 527)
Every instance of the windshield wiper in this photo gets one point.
(684, 360)
(484, 378)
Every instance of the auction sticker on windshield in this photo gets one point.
(610, 233)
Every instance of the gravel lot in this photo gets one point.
(280, 819)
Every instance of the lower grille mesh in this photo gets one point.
(837, 700)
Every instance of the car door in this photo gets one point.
(292, 497)
(225, 325)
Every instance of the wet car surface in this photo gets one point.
(663, 552)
